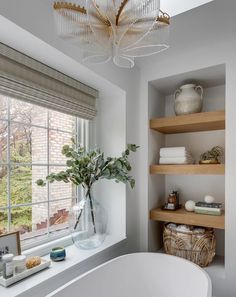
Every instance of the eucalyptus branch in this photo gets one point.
(85, 167)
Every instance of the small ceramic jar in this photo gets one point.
(58, 254)
(19, 264)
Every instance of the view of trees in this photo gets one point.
(31, 134)
(20, 152)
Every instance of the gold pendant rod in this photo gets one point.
(101, 16)
(120, 11)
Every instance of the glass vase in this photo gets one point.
(88, 223)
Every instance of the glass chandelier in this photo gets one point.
(114, 29)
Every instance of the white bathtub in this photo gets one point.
(140, 275)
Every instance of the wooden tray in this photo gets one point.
(7, 282)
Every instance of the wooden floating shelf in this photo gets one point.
(214, 169)
(204, 121)
(181, 216)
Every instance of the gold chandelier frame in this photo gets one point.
(162, 18)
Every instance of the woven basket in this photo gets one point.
(196, 247)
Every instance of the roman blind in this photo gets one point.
(24, 78)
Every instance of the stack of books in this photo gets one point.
(214, 209)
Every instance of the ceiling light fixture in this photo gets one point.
(114, 29)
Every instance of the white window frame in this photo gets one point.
(82, 137)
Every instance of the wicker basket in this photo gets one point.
(196, 247)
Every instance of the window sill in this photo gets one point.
(45, 248)
(75, 259)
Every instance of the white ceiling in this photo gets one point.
(174, 7)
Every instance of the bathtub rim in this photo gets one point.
(209, 293)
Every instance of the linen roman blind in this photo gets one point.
(24, 78)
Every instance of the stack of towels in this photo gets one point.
(175, 155)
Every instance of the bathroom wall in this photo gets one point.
(198, 40)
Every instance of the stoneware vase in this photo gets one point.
(188, 99)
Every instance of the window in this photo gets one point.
(31, 139)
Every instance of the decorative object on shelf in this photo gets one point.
(172, 201)
(119, 30)
(188, 100)
(190, 205)
(214, 209)
(213, 156)
(7, 261)
(17, 277)
(32, 262)
(58, 254)
(93, 233)
(10, 243)
(85, 167)
(196, 244)
(209, 199)
(175, 155)
(19, 264)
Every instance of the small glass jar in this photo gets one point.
(19, 264)
(7, 265)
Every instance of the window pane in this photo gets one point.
(3, 185)
(3, 221)
(21, 184)
(31, 221)
(3, 141)
(3, 107)
(39, 194)
(39, 219)
(28, 113)
(39, 145)
(56, 141)
(28, 144)
(59, 214)
(21, 143)
(21, 219)
(60, 190)
(61, 121)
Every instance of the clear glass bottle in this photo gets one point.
(88, 222)
(7, 265)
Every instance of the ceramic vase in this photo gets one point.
(188, 99)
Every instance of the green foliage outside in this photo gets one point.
(21, 190)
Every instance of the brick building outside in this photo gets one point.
(61, 130)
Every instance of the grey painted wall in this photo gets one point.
(200, 38)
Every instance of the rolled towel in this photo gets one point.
(180, 160)
(170, 152)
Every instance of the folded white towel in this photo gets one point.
(169, 152)
(179, 160)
